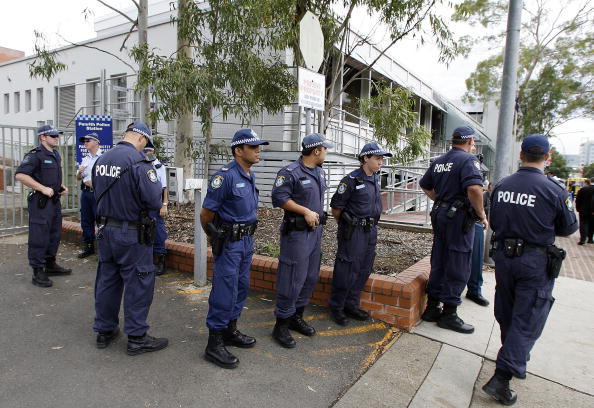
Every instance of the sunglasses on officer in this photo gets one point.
(53, 136)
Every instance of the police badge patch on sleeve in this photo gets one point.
(569, 203)
(152, 175)
(217, 181)
(477, 164)
(341, 188)
(280, 180)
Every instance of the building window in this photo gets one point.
(28, 100)
(6, 103)
(17, 102)
(93, 96)
(39, 99)
(119, 101)
(40, 123)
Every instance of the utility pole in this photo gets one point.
(505, 137)
(142, 41)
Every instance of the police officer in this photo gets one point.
(299, 190)
(527, 210)
(159, 250)
(357, 206)
(454, 181)
(126, 188)
(229, 216)
(88, 205)
(40, 170)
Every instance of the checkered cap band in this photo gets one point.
(243, 141)
(309, 146)
(141, 132)
(373, 152)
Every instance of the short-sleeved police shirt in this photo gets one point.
(359, 195)
(302, 184)
(44, 166)
(233, 195)
(530, 206)
(450, 174)
(135, 191)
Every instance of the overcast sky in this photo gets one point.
(20, 18)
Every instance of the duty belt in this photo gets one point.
(514, 247)
(238, 231)
(112, 222)
(84, 187)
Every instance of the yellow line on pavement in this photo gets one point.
(190, 291)
(181, 282)
(339, 350)
(354, 330)
(273, 322)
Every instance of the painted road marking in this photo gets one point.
(354, 330)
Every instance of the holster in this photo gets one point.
(555, 257)
(470, 218)
(42, 200)
(453, 209)
(294, 222)
(347, 226)
(146, 229)
(217, 238)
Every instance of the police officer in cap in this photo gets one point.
(299, 190)
(357, 206)
(88, 205)
(528, 210)
(455, 182)
(229, 216)
(40, 171)
(126, 189)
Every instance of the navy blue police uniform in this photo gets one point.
(126, 185)
(449, 176)
(359, 197)
(233, 196)
(45, 213)
(88, 205)
(528, 210)
(300, 246)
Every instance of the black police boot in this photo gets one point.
(449, 320)
(104, 339)
(498, 388)
(281, 334)
(145, 344)
(217, 353)
(477, 298)
(159, 261)
(87, 251)
(433, 311)
(52, 268)
(339, 317)
(233, 337)
(297, 323)
(40, 278)
(356, 313)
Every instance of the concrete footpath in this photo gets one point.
(433, 367)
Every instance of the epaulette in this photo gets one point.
(353, 174)
(35, 149)
(557, 183)
(292, 166)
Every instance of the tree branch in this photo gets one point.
(128, 35)
(99, 49)
(118, 11)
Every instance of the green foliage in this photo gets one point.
(589, 171)
(160, 149)
(558, 165)
(392, 115)
(556, 65)
(271, 249)
(45, 64)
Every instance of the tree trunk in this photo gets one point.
(142, 41)
(184, 140)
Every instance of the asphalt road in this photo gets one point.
(49, 358)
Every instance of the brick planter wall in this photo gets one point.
(397, 300)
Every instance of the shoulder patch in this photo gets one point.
(477, 164)
(217, 181)
(280, 180)
(341, 188)
(569, 203)
(152, 175)
(26, 159)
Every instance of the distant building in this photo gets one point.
(586, 153)
(573, 160)
(8, 54)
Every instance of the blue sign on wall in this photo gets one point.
(99, 124)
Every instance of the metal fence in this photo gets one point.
(15, 142)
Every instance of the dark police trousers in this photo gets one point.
(88, 212)
(230, 283)
(160, 233)
(45, 230)
(298, 270)
(523, 299)
(123, 263)
(450, 257)
(352, 267)
(475, 281)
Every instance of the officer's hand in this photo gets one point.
(312, 218)
(81, 169)
(65, 191)
(163, 211)
(48, 191)
(485, 223)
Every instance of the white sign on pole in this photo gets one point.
(311, 41)
(312, 88)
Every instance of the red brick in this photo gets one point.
(405, 303)
(263, 284)
(386, 300)
(398, 311)
(256, 275)
(365, 305)
(385, 317)
(365, 296)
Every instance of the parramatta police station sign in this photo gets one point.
(312, 88)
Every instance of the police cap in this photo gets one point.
(463, 133)
(90, 136)
(374, 149)
(48, 130)
(144, 130)
(536, 144)
(248, 137)
(315, 140)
